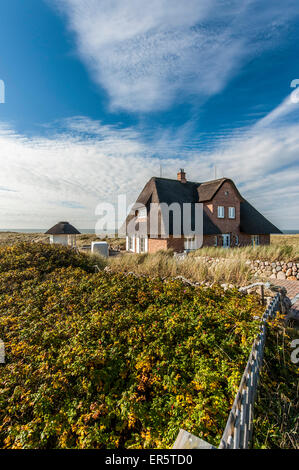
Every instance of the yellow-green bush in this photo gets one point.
(106, 360)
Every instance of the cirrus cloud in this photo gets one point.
(147, 55)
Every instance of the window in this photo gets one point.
(231, 213)
(142, 245)
(130, 244)
(216, 241)
(220, 212)
(255, 240)
(226, 240)
(236, 240)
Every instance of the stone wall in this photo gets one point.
(270, 270)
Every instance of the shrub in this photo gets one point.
(106, 360)
(44, 258)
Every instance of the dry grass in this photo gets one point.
(285, 239)
(163, 264)
(273, 252)
(233, 269)
(10, 238)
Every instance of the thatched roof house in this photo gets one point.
(63, 233)
(228, 218)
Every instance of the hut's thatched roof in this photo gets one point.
(63, 228)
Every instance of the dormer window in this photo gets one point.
(231, 212)
(220, 212)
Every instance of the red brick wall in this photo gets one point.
(226, 225)
(177, 244)
(244, 240)
(156, 244)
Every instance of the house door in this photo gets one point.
(226, 240)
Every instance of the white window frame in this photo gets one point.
(231, 212)
(144, 248)
(220, 212)
(255, 240)
(131, 243)
(226, 236)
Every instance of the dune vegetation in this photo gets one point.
(107, 360)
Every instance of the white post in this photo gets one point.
(127, 243)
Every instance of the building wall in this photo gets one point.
(177, 244)
(244, 240)
(59, 240)
(156, 244)
(232, 199)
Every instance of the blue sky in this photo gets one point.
(99, 93)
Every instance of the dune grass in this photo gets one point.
(163, 264)
(272, 252)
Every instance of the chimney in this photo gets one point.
(182, 176)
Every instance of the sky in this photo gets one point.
(101, 95)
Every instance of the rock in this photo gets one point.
(273, 276)
(288, 272)
(281, 275)
(292, 278)
(278, 268)
(290, 265)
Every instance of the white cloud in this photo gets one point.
(65, 176)
(147, 54)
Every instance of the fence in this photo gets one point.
(238, 430)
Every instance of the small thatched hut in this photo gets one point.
(63, 233)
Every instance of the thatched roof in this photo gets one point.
(63, 228)
(252, 221)
(159, 190)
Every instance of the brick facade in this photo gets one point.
(156, 244)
